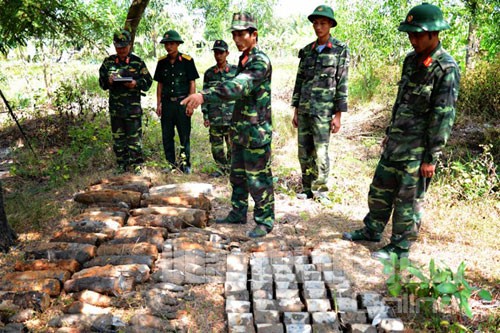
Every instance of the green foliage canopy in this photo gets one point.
(75, 22)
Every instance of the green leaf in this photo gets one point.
(404, 262)
(440, 277)
(446, 288)
(446, 300)
(388, 269)
(394, 259)
(394, 289)
(460, 272)
(432, 268)
(485, 294)
(464, 305)
(416, 272)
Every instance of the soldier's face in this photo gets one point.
(423, 42)
(122, 52)
(322, 27)
(220, 56)
(172, 47)
(244, 40)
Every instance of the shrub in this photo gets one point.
(473, 176)
(479, 92)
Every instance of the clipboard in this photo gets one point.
(123, 79)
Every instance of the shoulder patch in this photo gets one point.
(445, 61)
(185, 56)
(161, 58)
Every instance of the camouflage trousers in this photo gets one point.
(174, 116)
(219, 134)
(398, 189)
(127, 139)
(313, 142)
(251, 174)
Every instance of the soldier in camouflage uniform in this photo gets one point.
(251, 127)
(176, 74)
(218, 116)
(319, 98)
(421, 123)
(125, 75)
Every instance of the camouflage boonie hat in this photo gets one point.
(220, 45)
(243, 21)
(323, 11)
(171, 36)
(122, 38)
(424, 17)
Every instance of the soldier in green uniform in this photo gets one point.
(251, 127)
(218, 116)
(421, 122)
(176, 74)
(125, 75)
(319, 98)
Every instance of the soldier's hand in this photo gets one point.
(192, 102)
(335, 124)
(206, 123)
(384, 141)
(158, 110)
(427, 170)
(295, 120)
(111, 78)
(132, 84)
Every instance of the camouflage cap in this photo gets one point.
(243, 21)
(323, 11)
(121, 38)
(220, 45)
(171, 36)
(424, 17)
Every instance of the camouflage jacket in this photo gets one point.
(424, 112)
(218, 113)
(321, 83)
(124, 101)
(251, 125)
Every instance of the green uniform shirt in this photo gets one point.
(218, 113)
(122, 100)
(176, 77)
(251, 89)
(424, 112)
(321, 83)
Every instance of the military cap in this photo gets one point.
(323, 11)
(424, 17)
(121, 38)
(171, 36)
(243, 21)
(220, 45)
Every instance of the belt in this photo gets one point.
(175, 99)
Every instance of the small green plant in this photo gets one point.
(438, 289)
(475, 176)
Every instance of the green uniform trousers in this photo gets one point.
(398, 189)
(218, 135)
(251, 174)
(127, 140)
(314, 139)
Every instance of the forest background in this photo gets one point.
(50, 52)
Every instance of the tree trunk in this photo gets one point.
(472, 46)
(8, 236)
(134, 16)
(472, 40)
